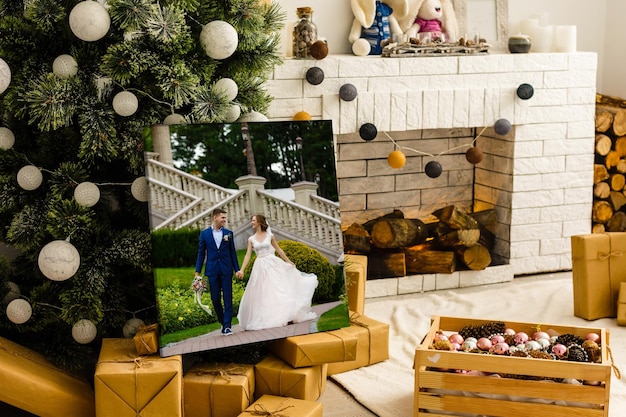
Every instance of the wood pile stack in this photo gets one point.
(609, 201)
(397, 246)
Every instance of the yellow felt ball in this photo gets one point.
(302, 115)
(396, 159)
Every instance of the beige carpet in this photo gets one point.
(387, 388)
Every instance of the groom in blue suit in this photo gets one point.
(217, 246)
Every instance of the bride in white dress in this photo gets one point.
(277, 292)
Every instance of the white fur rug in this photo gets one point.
(387, 388)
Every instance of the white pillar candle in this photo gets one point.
(565, 38)
(543, 40)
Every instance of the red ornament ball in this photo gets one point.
(474, 155)
(319, 50)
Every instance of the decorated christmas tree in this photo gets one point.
(81, 82)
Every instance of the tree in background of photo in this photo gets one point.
(80, 82)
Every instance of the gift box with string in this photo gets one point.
(273, 376)
(130, 385)
(372, 343)
(598, 269)
(147, 339)
(356, 277)
(272, 405)
(316, 348)
(31, 383)
(218, 389)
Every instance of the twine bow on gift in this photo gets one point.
(225, 373)
(603, 256)
(261, 410)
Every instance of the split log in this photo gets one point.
(604, 120)
(487, 219)
(395, 214)
(611, 160)
(617, 182)
(390, 233)
(424, 261)
(617, 223)
(620, 146)
(601, 190)
(603, 144)
(600, 173)
(617, 200)
(619, 123)
(458, 238)
(475, 257)
(356, 239)
(386, 265)
(601, 211)
(598, 228)
(455, 218)
(621, 166)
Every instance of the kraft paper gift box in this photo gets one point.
(356, 276)
(372, 344)
(218, 389)
(316, 348)
(31, 383)
(621, 305)
(147, 339)
(272, 405)
(598, 268)
(128, 385)
(273, 376)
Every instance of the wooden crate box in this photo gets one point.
(439, 390)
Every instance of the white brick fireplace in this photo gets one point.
(539, 177)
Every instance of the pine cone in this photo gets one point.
(569, 339)
(575, 353)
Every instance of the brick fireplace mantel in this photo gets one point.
(539, 177)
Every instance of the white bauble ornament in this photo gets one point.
(14, 292)
(64, 66)
(253, 116)
(361, 47)
(139, 189)
(89, 21)
(29, 177)
(131, 326)
(19, 311)
(87, 194)
(174, 119)
(232, 114)
(84, 331)
(219, 39)
(228, 87)
(7, 138)
(59, 260)
(125, 103)
(5, 75)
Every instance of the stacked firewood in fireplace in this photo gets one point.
(609, 201)
(397, 246)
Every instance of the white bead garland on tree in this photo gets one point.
(87, 194)
(59, 260)
(131, 326)
(84, 331)
(219, 39)
(232, 114)
(64, 66)
(89, 21)
(125, 103)
(7, 138)
(13, 293)
(19, 311)
(228, 87)
(174, 119)
(253, 116)
(29, 177)
(139, 189)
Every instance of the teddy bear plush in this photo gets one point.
(375, 23)
(430, 16)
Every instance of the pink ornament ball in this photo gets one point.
(497, 338)
(520, 338)
(501, 348)
(541, 335)
(484, 344)
(440, 336)
(594, 337)
(559, 350)
(509, 331)
(456, 338)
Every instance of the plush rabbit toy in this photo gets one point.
(430, 16)
(375, 22)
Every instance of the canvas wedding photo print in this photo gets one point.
(246, 233)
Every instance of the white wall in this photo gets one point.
(600, 29)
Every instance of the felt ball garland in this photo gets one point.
(502, 127)
(433, 169)
(315, 75)
(348, 92)
(301, 116)
(368, 131)
(319, 49)
(525, 91)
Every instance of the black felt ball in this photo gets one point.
(347, 92)
(433, 169)
(525, 91)
(315, 75)
(368, 131)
